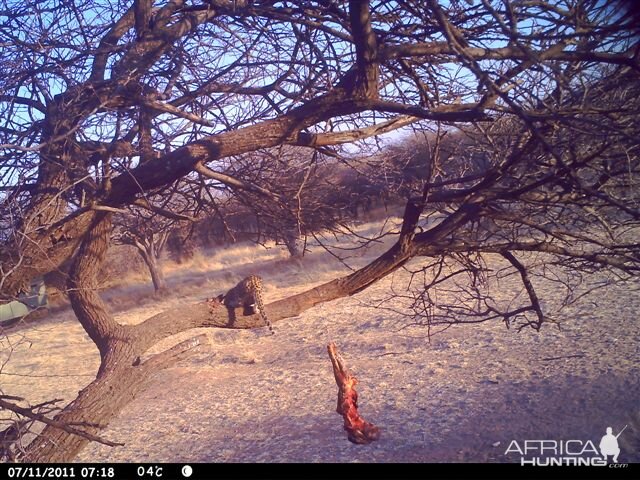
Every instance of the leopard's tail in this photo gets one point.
(263, 313)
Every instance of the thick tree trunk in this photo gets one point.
(91, 411)
(116, 381)
(83, 286)
(122, 376)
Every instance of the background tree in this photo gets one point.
(147, 227)
(105, 104)
(288, 191)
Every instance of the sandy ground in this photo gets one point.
(462, 395)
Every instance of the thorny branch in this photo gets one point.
(528, 114)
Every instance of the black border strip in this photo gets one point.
(321, 471)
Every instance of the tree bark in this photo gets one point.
(116, 382)
(121, 375)
(83, 286)
(92, 410)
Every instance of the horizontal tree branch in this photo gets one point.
(617, 260)
(337, 138)
(516, 52)
(29, 102)
(444, 113)
(213, 314)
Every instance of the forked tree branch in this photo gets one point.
(26, 412)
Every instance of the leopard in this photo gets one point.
(248, 295)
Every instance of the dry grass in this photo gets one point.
(449, 398)
(217, 269)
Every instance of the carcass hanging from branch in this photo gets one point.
(359, 431)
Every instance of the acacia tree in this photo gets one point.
(104, 103)
(148, 224)
(290, 192)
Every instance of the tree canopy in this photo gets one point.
(531, 108)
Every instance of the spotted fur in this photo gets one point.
(248, 295)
